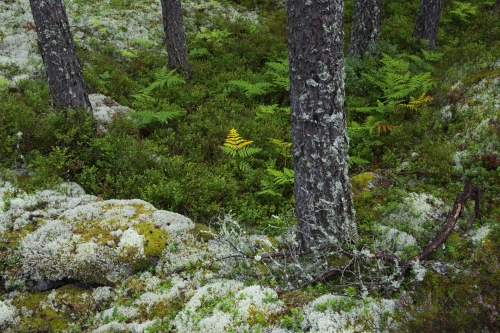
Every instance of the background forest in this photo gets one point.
(421, 125)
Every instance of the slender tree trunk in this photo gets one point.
(174, 35)
(323, 202)
(64, 74)
(496, 6)
(365, 26)
(427, 23)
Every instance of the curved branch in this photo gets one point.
(469, 191)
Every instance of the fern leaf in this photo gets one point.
(431, 55)
(248, 151)
(416, 103)
(270, 192)
(250, 90)
(280, 72)
(355, 160)
(143, 96)
(163, 77)
(229, 151)
(235, 141)
(463, 10)
(144, 117)
(283, 147)
(265, 111)
(244, 166)
(385, 127)
(166, 116)
(148, 117)
(282, 177)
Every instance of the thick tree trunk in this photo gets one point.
(427, 23)
(64, 74)
(174, 35)
(365, 26)
(323, 202)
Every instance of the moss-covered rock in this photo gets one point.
(65, 234)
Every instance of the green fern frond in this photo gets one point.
(270, 192)
(167, 77)
(163, 77)
(250, 90)
(355, 160)
(280, 72)
(265, 111)
(355, 129)
(199, 53)
(398, 85)
(148, 117)
(464, 10)
(245, 152)
(244, 166)
(231, 152)
(432, 55)
(143, 96)
(282, 177)
(283, 147)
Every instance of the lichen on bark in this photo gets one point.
(174, 35)
(323, 200)
(365, 26)
(64, 74)
(427, 22)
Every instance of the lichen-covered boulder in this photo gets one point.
(65, 234)
(338, 314)
(8, 314)
(227, 306)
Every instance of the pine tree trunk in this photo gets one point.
(365, 26)
(496, 6)
(323, 202)
(64, 74)
(427, 23)
(174, 35)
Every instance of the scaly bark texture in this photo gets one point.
(64, 74)
(174, 35)
(365, 26)
(323, 202)
(496, 6)
(427, 23)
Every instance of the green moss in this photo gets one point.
(68, 300)
(155, 239)
(162, 309)
(359, 182)
(201, 232)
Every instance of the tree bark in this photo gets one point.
(365, 26)
(427, 23)
(64, 74)
(174, 35)
(323, 202)
(496, 6)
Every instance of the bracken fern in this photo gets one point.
(237, 147)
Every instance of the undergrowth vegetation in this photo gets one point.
(407, 125)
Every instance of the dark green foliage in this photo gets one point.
(465, 301)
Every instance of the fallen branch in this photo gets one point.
(458, 206)
(356, 259)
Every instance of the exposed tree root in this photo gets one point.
(470, 191)
(334, 259)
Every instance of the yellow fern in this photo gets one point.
(416, 103)
(235, 141)
(237, 147)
